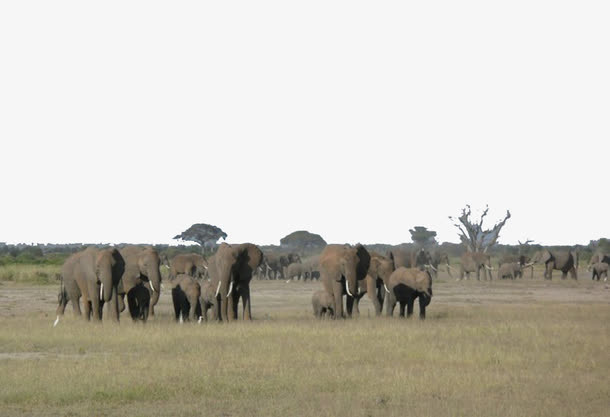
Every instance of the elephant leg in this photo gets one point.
(245, 300)
(410, 303)
(76, 306)
(338, 299)
(373, 296)
(94, 291)
(478, 273)
(573, 273)
(402, 309)
(132, 305)
(193, 316)
(87, 308)
(114, 304)
(121, 303)
(422, 308)
(233, 303)
(391, 303)
(176, 302)
(381, 298)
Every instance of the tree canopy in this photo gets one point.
(423, 237)
(472, 234)
(204, 234)
(302, 239)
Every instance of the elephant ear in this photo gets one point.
(364, 261)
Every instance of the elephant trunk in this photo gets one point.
(154, 280)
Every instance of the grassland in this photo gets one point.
(505, 348)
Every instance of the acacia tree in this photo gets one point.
(302, 240)
(205, 235)
(423, 237)
(472, 234)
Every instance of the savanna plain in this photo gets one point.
(528, 347)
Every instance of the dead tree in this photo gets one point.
(472, 234)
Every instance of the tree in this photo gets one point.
(472, 234)
(301, 240)
(205, 234)
(422, 236)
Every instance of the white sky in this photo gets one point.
(127, 121)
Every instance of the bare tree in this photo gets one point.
(472, 234)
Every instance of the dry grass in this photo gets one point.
(518, 348)
(29, 274)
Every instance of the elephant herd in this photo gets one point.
(109, 276)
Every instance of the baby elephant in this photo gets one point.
(322, 304)
(208, 300)
(600, 269)
(510, 270)
(405, 285)
(185, 295)
(139, 302)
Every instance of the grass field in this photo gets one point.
(505, 348)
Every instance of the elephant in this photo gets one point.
(322, 303)
(342, 267)
(523, 261)
(375, 283)
(404, 286)
(474, 262)
(562, 261)
(511, 270)
(599, 269)
(140, 299)
(186, 293)
(188, 263)
(141, 266)
(275, 263)
(598, 257)
(93, 274)
(231, 269)
(438, 258)
(295, 270)
(208, 300)
(410, 258)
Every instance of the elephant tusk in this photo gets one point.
(152, 286)
(431, 266)
(102, 291)
(230, 288)
(488, 268)
(56, 321)
(386, 288)
(217, 289)
(347, 288)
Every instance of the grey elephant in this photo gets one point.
(231, 269)
(375, 283)
(475, 262)
(186, 293)
(275, 263)
(311, 268)
(188, 263)
(599, 270)
(342, 269)
(405, 286)
(295, 270)
(141, 267)
(322, 303)
(140, 299)
(440, 258)
(94, 275)
(510, 270)
(410, 258)
(561, 260)
(598, 257)
(209, 301)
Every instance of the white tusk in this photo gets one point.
(386, 288)
(230, 288)
(151, 285)
(347, 288)
(102, 291)
(56, 321)
(431, 266)
(217, 289)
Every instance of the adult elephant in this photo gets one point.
(231, 270)
(474, 262)
(188, 263)
(276, 262)
(141, 267)
(563, 261)
(417, 258)
(342, 267)
(186, 293)
(375, 283)
(94, 275)
(438, 258)
(295, 270)
(405, 286)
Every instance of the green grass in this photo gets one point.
(535, 359)
(30, 274)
